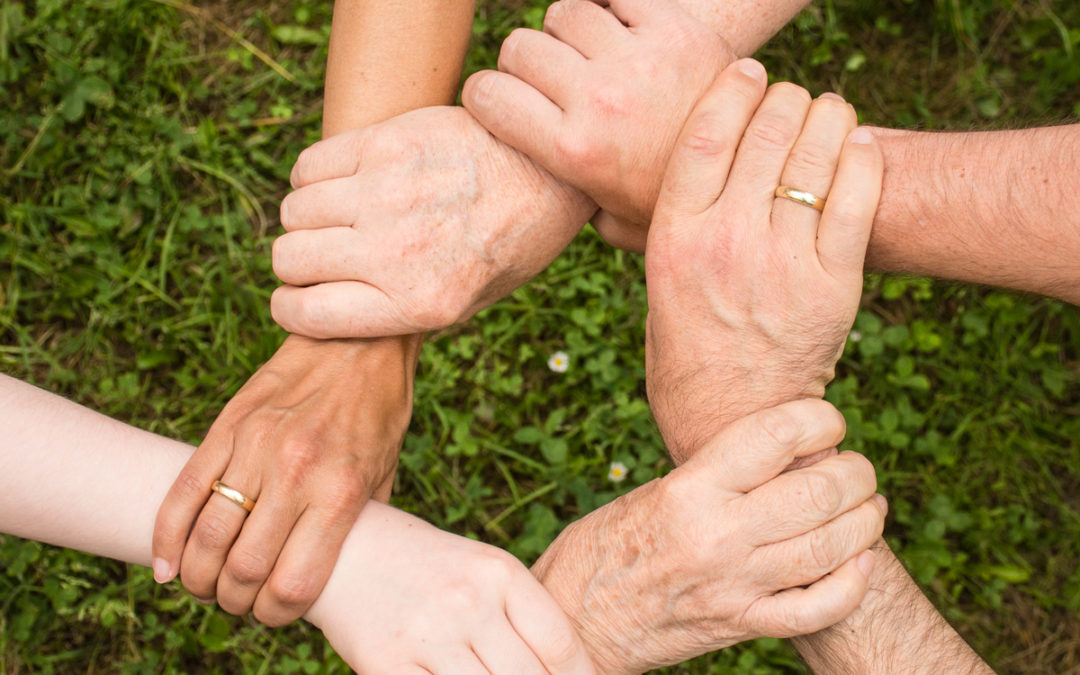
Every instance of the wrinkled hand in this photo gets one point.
(719, 550)
(408, 598)
(599, 98)
(751, 297)
(412, 225)
(310, 437)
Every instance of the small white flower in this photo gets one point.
(854, 336)
(617, 472)
(559, 362)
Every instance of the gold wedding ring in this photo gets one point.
(234, 496)
(800, 196)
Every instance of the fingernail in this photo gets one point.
(752, 68)
(832, 96)
(882, 503)
(163, 573)
(861, 135)
(209, 601)
(865, 563)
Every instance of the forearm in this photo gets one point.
(384, 60)
(72, 477)
(984, 207)
(894, 630)
(744, 24)
(390, 57)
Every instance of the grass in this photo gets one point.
(145, 146)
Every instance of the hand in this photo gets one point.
(599, 98)
(310, 437)
(406, 597)
(718, 550)
(412, 225)
(751, 297)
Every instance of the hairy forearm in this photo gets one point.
(744, 24)
(894, 630)
(984, 207)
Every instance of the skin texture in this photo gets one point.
(720, 550)
(751, 295)
(645, 580)
(478, 219)
(947, 208)
(315, 433)
(404, 597)
(341, 305)
(588, 59)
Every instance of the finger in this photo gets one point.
(501, 650)
(541, 623)
(849, 212)
(327, 203)
(304, 565)
(515, 113)
(340, 309)
(764, 148)
(586, 26)
(335, 157)
(306, 257)
(215, 531)
(799, 611)
(811, 497)
(807, 558)
(251, 558)
(698, 167)
(619, 233)
(757, 448)
(810, 167)
(186, 498)
(635, 13)
(542, 62)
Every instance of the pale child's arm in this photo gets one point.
(403, 596)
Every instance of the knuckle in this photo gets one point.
(511, 47)
(822, 554)
(248, 568)
(302, 169)
(576, 149)
(213, 532)
(811, 160)
(790, 90)
(435, 314)
(862, 471)
(293, 590)
(704, 137)
(771, 131)
(822, 493)
(191, 485)
(781, 426)
(280, 258)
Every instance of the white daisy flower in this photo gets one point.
(617, 472)
(559, 362)
(854, 336)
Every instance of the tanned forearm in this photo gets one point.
(895, 631)
(985, 207)
(386, 59)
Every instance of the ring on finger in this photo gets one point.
(800, 197)
(233, 495)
